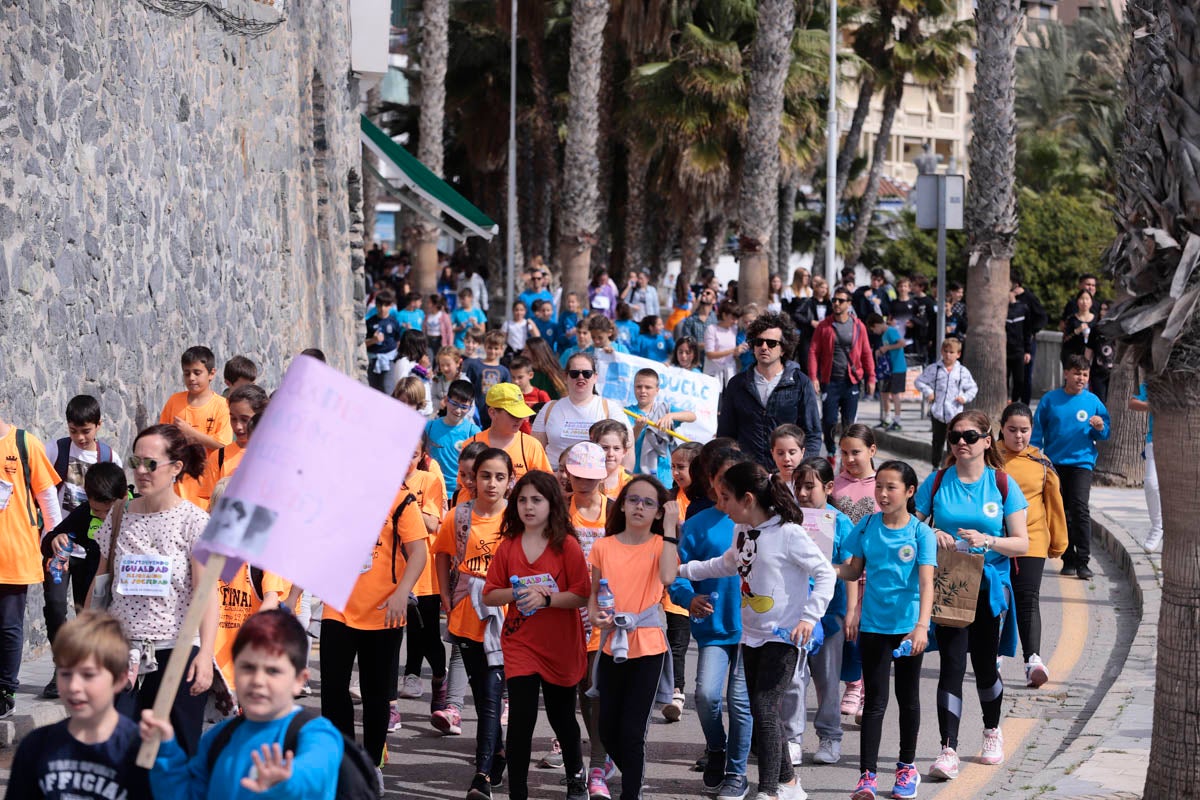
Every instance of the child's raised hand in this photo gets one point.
(153, 728)
(670, 518)
(272, 767)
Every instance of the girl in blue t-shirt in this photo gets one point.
(970, 508)
(897, 602)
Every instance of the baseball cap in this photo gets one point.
(508, 397)
(586, 460)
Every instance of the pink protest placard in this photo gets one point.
(821, 525)
(316, 483)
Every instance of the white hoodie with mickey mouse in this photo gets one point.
(775, 563)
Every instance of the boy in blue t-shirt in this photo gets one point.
(445, 435)
(466, 317)
(543, 318)
(269, 655)
(412, 317)
(892, 394)
(1067, 425)
(568, 322)
(652, 342)
(383, 339)
(652, 447)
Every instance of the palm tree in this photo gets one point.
(580, 213)
(991, 213)
(434, 57)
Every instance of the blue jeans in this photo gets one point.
(719, 671)
(839, 395)
(12, 635)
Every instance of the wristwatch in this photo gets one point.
(547, 603)
(672, 540)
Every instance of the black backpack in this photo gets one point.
(357, 779)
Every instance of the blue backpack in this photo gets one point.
(63, 460)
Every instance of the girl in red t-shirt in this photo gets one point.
(542, 639)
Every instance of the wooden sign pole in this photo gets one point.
(169, 686)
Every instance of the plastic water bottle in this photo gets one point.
(56, 567)
(712, 598)
(811, 646)
(605, 601)
(517, 592)
(905, 649)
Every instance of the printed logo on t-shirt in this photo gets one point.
(1081, 415)
(991, 509)
(906, 553)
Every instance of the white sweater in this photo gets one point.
(775, 568)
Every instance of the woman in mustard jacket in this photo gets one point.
(1047, 524)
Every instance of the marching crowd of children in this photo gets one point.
(571, 558)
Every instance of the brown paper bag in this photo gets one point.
(956, 587)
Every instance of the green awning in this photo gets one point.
(421, 190)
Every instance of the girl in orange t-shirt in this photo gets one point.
(613, 438)
(466, 564)
(636, 559)
(543, 638)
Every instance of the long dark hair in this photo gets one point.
(413, 345)
(714, 451)
(191, 455)
(616, 520)
(771, 494)
(815, 465)
(558, 525)
(490, 454)
(907, 474)
(538, 351)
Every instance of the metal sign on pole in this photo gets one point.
(940, 206)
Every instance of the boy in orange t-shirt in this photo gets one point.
(201, 413)
(506, 405)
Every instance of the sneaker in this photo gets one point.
(1153, 542)
(734, 787)
(882, 425)
(305, 691)
(895, 427)
(674, 709)
(796, 751)
(496, 776)
(610, 768)
(1068, 569)
(993, 746)
(577, 786)
(945, 766)
(999, 663)
(714, 770)
(447, 721)
(862, 704)
(8, 704)
(867, 787)
(597, 786)
(907, 780)
(828, 752)
(504, 713)
(701, 763)
(437, 695)
(51, 690)
(393, 719)
(379, 778)
(792, 791)
(852, 697)
(480, 788)
(1084, 573)
(1036, 673)
(412, 688)
(554, 758)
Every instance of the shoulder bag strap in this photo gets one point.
(118, 511)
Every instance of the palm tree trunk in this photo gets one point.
(785, 227)
(991, 215)
(435, 52)
(545, 163)
(714, 243)
(758, 198)
(636, 168)
(689, 242)
(866, 91)
(581, 167)
(1120, 460)
(866, 210)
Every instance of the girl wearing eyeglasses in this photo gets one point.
(974, 503)
(636, 558)
(160, 529)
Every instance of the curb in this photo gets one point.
(20, 725)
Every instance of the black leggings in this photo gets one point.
(679, 636)
(187, 712)
(769, 671)
(376, 652)
(522, 717)
(425, 637)
(982, 640)
(1027, 595)
(487, 689)
(876, 650)
(627, 692)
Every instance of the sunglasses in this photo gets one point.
(648, 503)
(149, 464)
(770, 344)
(970, 437)
(576, 374)
(841, 299)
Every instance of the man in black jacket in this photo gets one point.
(1035, 321)
(772, 392)
(1019, 333)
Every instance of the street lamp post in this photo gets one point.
(511, 260)
(831, 148)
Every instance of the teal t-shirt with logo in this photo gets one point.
(891, 602)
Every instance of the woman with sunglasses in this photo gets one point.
(158, 530)
(562, 423)
(973, 504)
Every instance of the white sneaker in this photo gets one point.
(945, 766)
(793, 792)
(1036, 673)
(829, 752)
(993, 746)
(796, 751)
(413, 687)
(1153, 542)
(673, 710)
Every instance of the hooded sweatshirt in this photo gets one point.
(707, 534)
(1046, 520)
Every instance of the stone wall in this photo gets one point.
(164, 183)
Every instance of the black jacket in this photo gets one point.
(1018, 328)
(743, 417)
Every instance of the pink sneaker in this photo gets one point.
(945, 766)
(393, 719)
(993, 746)
(597, 786)
(852, 697)
(447, 721)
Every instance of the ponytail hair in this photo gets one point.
(191, 455)
(907, 474)
(772, 495)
